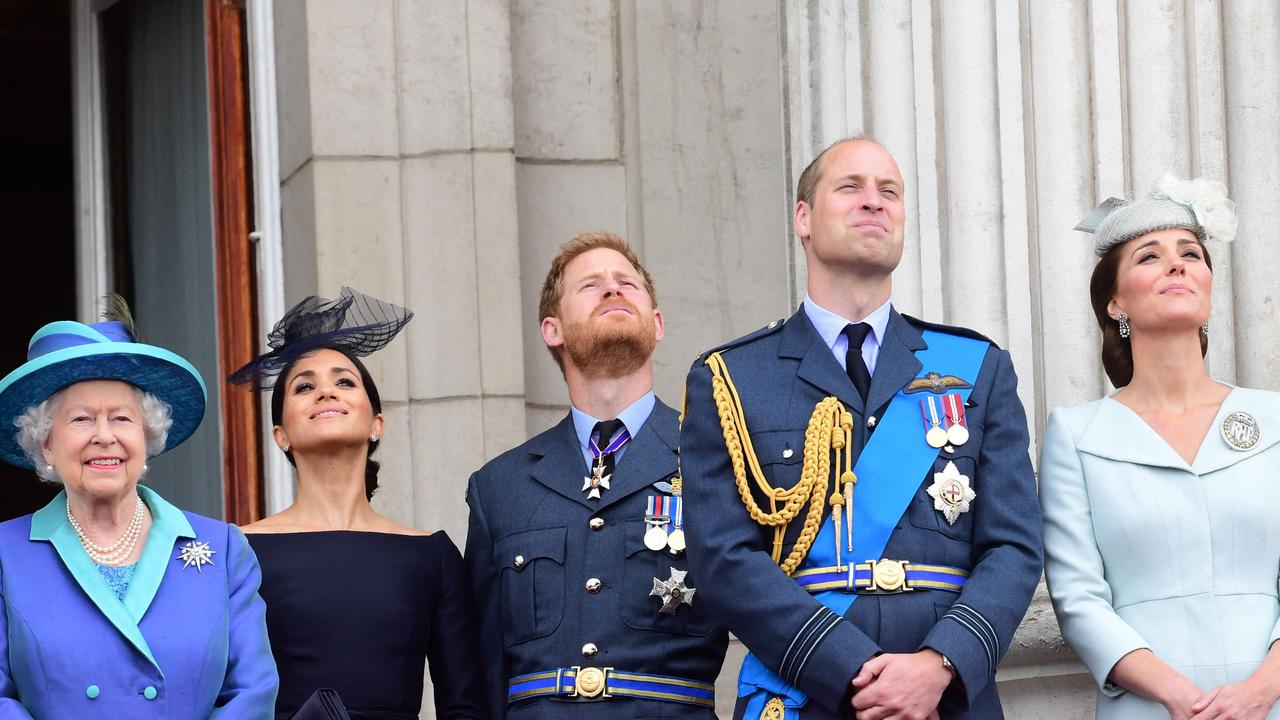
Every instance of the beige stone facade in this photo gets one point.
(436, 152)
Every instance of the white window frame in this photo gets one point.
(92, 187)
(93, 232)
(277, 475)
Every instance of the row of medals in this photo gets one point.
(952, 411)
(666, 529)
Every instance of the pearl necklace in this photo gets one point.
(117, 552)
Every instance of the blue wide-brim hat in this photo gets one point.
(64, 353)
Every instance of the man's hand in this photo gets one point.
(903, 686)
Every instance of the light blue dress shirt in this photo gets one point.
(830, 327)
(632, 418)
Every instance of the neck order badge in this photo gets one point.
(602, 467)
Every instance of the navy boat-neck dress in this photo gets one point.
(360, 612)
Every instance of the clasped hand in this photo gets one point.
(900, 686)
(1238, 701)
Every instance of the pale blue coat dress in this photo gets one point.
(1145, 551)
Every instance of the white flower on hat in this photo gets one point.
(1208, 199)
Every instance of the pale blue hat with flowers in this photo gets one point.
(63, 353)
(1199, 206)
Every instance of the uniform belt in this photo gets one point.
(881, 577)
(591, 683)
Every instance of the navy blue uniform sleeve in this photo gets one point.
(453, 653)
(484, 587)
(802, 640)
(1007, 549)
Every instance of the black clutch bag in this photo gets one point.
(324, 704)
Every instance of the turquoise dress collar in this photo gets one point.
(168, 523)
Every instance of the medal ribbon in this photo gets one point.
(614, 445)
(930, 412)
(953, 406)
(658, 507)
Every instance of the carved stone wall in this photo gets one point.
(437, 152)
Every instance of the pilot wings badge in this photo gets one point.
(936, 383)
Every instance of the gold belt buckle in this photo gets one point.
(589, 682)
(889, 576)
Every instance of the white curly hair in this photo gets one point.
(36, 422)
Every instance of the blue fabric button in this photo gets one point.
(149, 693)
(92, 692)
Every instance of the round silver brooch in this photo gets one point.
(1241, 431)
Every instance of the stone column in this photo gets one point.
(398, 165)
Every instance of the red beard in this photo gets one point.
(608, 347)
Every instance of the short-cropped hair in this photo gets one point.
(36, 422)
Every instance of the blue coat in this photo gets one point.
(1147, 551)
(182, 644)
(781, 373)
(537, 614)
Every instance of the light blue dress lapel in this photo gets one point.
(1118, 433)
(1215, 454)
(49, 524)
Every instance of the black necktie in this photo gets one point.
(853, 362)
(603, 433)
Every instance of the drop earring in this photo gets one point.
(1123, 321)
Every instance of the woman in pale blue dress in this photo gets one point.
(1162, 536)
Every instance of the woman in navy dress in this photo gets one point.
(355, 602)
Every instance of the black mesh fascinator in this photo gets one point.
(354, 322)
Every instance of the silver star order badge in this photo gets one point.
(592, 483)
(951, 493)
(673, 592)
(197, 554)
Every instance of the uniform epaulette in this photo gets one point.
(949, 329)
(769, 329)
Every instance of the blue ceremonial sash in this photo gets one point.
(896, 450)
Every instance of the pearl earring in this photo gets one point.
(287, 447)
(373, 438)
(48, 469)
(1123, 321)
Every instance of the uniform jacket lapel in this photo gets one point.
(50, 525)
(818, 366)
(560, 466)
(650, 456)
(897, 364)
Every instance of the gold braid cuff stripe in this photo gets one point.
(830, 428)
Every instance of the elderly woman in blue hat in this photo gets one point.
(117, 604)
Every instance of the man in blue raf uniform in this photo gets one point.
(862, 506)
(576, 539)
